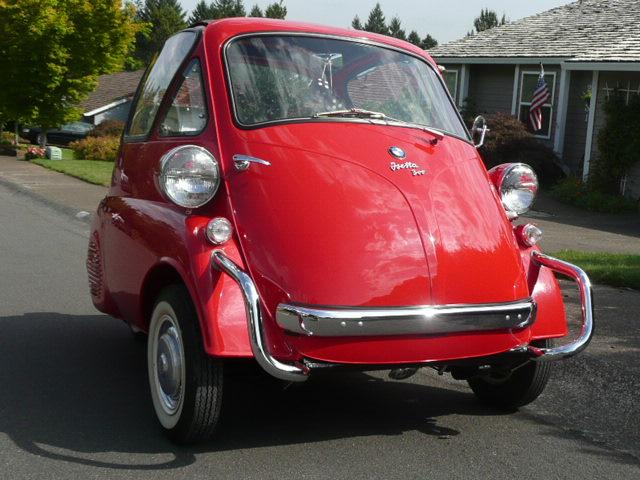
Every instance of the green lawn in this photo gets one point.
(67, 154)
(616, 269)
(98, 173)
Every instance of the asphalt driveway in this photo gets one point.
(567, 227)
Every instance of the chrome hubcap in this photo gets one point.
(169, 365)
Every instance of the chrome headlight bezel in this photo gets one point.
(517, 185)
(173, 174)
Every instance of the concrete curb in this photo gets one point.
(58, 207)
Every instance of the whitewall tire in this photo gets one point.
(185, 383)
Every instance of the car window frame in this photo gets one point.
(127, 138)
(365, 41)
(173, 92)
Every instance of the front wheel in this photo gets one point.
(186, 384)
(515, 389)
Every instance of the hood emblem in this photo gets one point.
(397, 152)
(414, 168)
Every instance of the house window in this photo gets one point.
(451, 80)
(528, 82)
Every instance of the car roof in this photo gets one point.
(227, 28)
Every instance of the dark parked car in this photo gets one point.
(58, 136)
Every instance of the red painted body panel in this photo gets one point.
(328, 223)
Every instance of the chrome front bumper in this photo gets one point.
(425, 320)
(422, 320)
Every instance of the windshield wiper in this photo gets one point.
(353, 112)
(362, 113)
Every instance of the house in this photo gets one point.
(112, 97)
(587, 49)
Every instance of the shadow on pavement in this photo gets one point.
(75, 387)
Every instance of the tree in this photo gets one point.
(376, 21)
(356, 23)
(488, 19)
(227, 9)
(165, 17)
(395, 29)
(276, 10)
(428, 42)
(203, 11)
(415, 38)
(53, 52)
(256, 12)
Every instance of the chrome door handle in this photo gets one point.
(243, 162)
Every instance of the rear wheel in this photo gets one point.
(186, 384)
(515, 389)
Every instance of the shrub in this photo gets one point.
(108, 128)
(509, 141)
(96, 148)
(35, 152)
(573, 191)
(618, 142)
(8, 138)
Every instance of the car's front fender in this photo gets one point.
(141, 240)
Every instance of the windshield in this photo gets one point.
(275, 78)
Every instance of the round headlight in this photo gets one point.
(189, 176)
(518, 186)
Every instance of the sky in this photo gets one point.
(445, 20)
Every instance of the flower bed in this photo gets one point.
(35, 152)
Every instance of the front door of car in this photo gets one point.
(135, 185)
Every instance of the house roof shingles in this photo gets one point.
(587, 31)
(112, 87)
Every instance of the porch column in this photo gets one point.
(516, 87)
(590, 124)
(464, 84)
(561, 115)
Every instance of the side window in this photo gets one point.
(157, 81)
(528, 83)
(187, 114)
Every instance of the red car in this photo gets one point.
(310, 198)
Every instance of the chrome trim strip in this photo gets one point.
(420, 320)
(272, 366)
(586, 299)
(243, 162)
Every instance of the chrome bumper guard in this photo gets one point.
(586, 300)
(283, 371)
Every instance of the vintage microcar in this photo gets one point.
(310, 198)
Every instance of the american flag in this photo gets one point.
(541, 96)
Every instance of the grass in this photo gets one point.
(67, 154)
(98, 173)
(615, 269)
